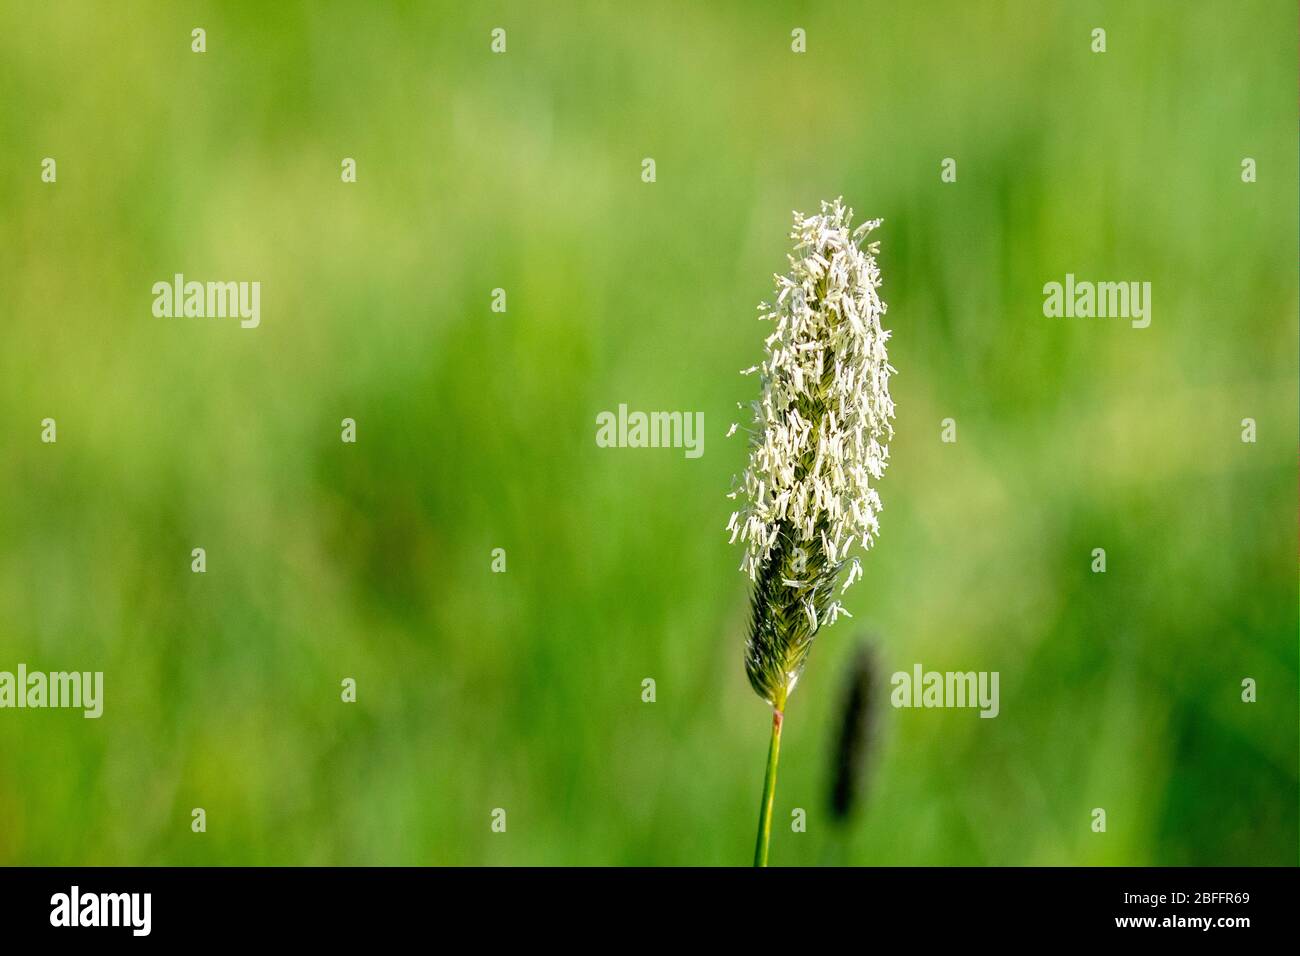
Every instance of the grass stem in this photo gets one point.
(769, 792)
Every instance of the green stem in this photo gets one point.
(769, 792)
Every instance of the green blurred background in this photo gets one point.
(476, 430)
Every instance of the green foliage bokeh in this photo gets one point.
(476, 430)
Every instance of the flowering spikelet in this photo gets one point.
(818, 443)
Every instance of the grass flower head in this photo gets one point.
(819, 443)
